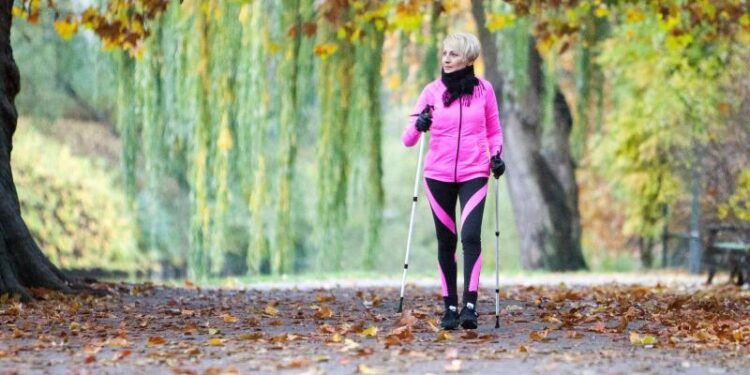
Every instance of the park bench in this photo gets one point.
(728, 247)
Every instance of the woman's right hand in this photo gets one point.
(424, 120)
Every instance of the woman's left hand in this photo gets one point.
(497, 164)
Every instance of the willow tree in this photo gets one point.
(252, 87)
(335, 86)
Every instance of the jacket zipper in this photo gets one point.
(458, 143)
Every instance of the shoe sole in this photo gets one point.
(449, 328)
(468, 324)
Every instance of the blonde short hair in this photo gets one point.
(465, 43)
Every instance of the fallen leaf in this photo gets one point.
(155, 341)
(326, 328)
(637, 340)
(451, 353)
(91, 349)
(324, 298)
(432, 325)
(230, 319)
(295, 363)
(370, 332)
(523, 349)
(121, 355)
(364, 369)
(215, 342)
(350, 344)
(538, 335)
(454, 366)
(270, 310)
(324, 312)
(336, 338)
(251, 336)
(598, 327)
(443, 336)
(280, 339)
(407, 319)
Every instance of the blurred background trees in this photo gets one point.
(262, 137)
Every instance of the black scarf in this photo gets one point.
(459, 84)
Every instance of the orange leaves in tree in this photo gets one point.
(123, 24)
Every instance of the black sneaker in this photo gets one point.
(469, 317)
(450, 318)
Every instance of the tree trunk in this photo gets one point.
(22, 263)
(544, 193)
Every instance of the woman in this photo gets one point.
(460, 111)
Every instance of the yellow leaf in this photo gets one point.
(636, 339)
(323, 50)
(336, 338)
(75, 326)
(601, 11)
(364, 369)
(18, 12)
(273, 48)
(66, 28)
(634, 14)
(370, 332)
(270, 310)
(245, 14)
(443, 336)
(215, 342)
(230, 319)
(497, 22)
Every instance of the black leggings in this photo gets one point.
(442, 197)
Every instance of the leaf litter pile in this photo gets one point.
(154, 329)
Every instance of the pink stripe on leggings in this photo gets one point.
(474, 282)
(439, 212)
(443, 282)
(472, 203)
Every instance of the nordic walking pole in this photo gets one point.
(411, 221)
(497, 253)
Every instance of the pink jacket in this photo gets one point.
(462, 138)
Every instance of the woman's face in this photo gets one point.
(452, 59)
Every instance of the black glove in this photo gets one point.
(498, 165)
(425, 119)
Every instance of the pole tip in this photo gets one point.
(497, 322)
(400, 305)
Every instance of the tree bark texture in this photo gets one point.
(22, 263)
(543, 189)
